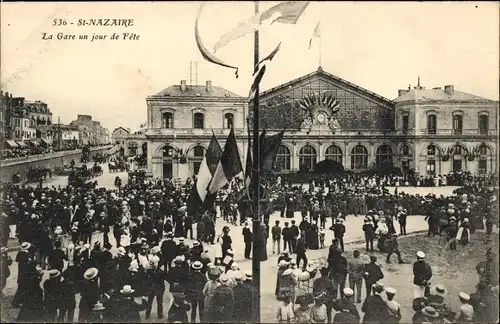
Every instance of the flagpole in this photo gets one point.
(256, 188)
(319, 49)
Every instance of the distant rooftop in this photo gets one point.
(437, 94)
(204, 91)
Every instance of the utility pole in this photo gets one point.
(255, 185)
(59, 135)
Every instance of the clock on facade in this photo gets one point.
(321, 118)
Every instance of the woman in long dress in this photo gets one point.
(463, 235)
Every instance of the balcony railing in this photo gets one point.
(457, 132)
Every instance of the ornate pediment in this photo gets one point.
(319, 110)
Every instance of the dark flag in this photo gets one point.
(228, 167)
(199, 192)
(269, 148)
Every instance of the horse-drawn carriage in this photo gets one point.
(37, 174)
(117, 165)
(100, 158)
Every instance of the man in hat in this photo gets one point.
(6, 262)
(242, 300)
(53, 292)
(339, 231)
(248, 239)
(437, 297)
(26, 267)
(393, 247)
(90, 293)
(422, 273)
(156, 277)
(128, 309)
(466, 312)
(276, 234)
(325, 286)
(182, 248)
(375, 308)
(178, 276)
(369, 230)
(195, 252)
(347, 303)
(372, 273)
(168, 251)
(300, 249)
(222, 302)
(195, 286)
(355, 268)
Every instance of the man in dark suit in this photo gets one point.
(248, 238)
(372, 273)
(375, 308)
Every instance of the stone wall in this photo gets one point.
(50, 160)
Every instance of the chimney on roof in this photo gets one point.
(209, 85)
(418, 87)
(183, 85)
(449, 89)
(402, 92)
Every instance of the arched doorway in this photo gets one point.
(307, 158)
(483, 156)
(197, 154)
(132, 148)
(168, 154)
(359, 158)
(334, 153)
(383, 155)
(406, 156)
(458, 154)
(283, 159)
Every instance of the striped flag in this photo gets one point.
(260, 70)
(268, 150)
(207, 169)
(229, 165)
(286, 12)
(204, 51)
(316, 33)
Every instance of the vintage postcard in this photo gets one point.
(249, 162)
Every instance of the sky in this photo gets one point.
(381, 46)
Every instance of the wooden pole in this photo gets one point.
(255, 185)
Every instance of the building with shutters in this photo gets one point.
(429, 131)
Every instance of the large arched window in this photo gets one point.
(458, 123)
(405, 150)
(228, 120)
(198, 152)
(283, 158)
(484, 123)
(169, 152)
(383, 155)
(483, 152)
(359, 157)
(432, 153)
(334, 153)
(199, 120)
(431, 124)
(168, 120)
(307, 157)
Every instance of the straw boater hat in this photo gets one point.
(282, 264)
(430, 311)
(25, 246)
(91, 273)
(196, 243)
(99, 306)
(440, 290)
(54, 273)
(464, 296)
(155, 250)
(224, 279)
(348, 292)
(127, 290)
(420, 255)
(390, 291)
(197, 265)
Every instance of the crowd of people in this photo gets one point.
(150, 220)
